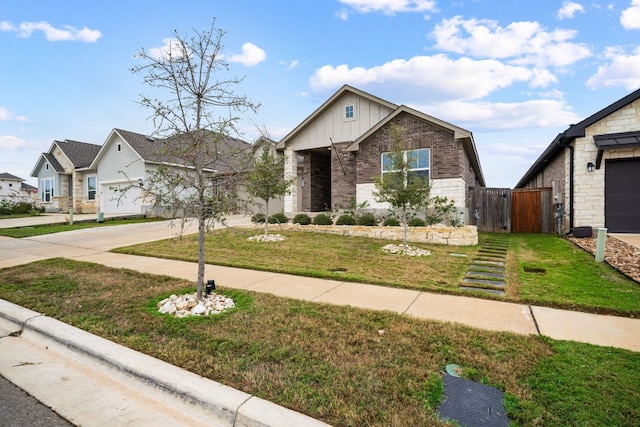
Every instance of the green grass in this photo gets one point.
(542, 269)
(331, 362)
(37, 230)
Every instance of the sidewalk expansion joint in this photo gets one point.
(535, 322)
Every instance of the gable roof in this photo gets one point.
(27, 187)
(80, 154)
(151, 150)
(326, 105)
(571, 133)
(7, 176)
(459, 134)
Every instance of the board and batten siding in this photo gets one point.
(332, 123)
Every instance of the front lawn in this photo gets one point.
(542, 269)
(345, 366)
(37, 230)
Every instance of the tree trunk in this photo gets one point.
(266, 218)
(201, 232)
(406, 225)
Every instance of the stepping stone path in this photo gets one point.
(487, 270)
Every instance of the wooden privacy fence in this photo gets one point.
(522, 210)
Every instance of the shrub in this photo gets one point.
(391, 222)
(416, 222)
(322, 219)
(368, 219)
(302, 219)
(346, 219)
(278, 218)
(258, 218)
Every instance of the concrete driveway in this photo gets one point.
(630, 238)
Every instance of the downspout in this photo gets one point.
(563, 143)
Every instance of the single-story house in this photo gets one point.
(65, 178)
(336, 152)
(15, 189)
(593, 169)
(127, 161)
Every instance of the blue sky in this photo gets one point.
(515, 73)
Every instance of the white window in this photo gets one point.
(91, 187)
(47, 189)
(349, 112)
(418, 163)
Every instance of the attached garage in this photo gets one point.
(114, 201)
(622, 195)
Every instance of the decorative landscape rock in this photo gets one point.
(267, 238)
(405, 250)
(189, 305)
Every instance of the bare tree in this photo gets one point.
(398, 185)
(266, 181)
(199, 162)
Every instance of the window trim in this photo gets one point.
(44, 193)
(409, 170)
(349, 108)
(95, 187)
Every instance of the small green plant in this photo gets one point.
(258, 218)
(302, 219)
(392, 221)
(279, 218)
(346, 219)
(322, 219)
(367, 219)
(416, 222)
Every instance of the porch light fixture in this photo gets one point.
(140, 182)
(590, 167)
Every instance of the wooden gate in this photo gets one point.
(492, 209)
(523, 210)
(531, 210)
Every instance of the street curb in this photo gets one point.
(226, 405)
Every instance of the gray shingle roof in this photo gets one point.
(164, 150)
(81, 154)
(8, 176)
(53, 162)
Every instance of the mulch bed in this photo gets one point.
(620, 255)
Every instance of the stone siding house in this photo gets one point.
(593, 169)
(65, 179)
(336, 152)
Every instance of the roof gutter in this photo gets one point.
(566, 143)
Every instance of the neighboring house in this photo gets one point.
(338, 150)
(125, 163)
(14, 188)
(593, 168)
(65, 178)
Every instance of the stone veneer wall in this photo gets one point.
(589, 186)
(454, 236)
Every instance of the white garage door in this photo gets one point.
(116, 202)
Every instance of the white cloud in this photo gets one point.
(52, 34)
(170, 46)
(537, 113)
(630, 18)
(290, 65)
(623, 70)
(437, 77)
(8, 142)
(6, 115)
(523, 43)
(569, 9)
(251, 55)
(390, 7)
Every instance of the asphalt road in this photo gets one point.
(18, 409)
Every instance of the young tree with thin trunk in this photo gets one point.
(266, 179)
(397, 184)
(200, 164)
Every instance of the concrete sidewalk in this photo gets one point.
(33, 361)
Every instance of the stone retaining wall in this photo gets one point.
(455, 236)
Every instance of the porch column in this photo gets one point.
(291, 171)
